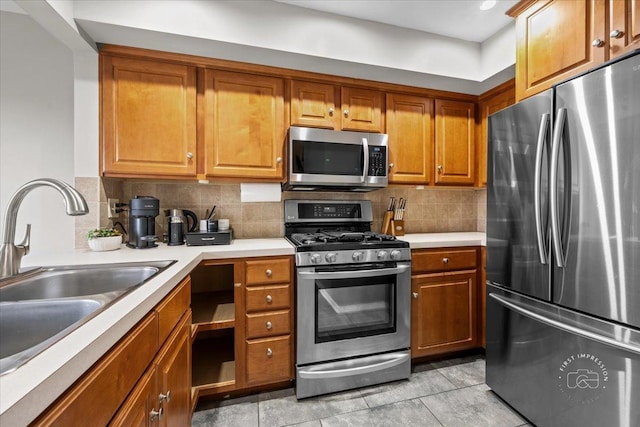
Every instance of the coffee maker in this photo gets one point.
(178, 225)
(143, 211)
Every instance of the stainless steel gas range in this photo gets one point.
(353, 291)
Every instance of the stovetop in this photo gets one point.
(343, 240)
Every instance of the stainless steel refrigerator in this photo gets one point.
(563, 251)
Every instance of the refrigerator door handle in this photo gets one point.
(553, 186)
(537, 196)
(564, 324)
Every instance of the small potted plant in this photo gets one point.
(104, 239)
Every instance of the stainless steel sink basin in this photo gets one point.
(42, 307)
(77, 281)
(28, 327)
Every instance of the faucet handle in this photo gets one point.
(25, 245)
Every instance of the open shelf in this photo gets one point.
(212, 310)
(214, 361)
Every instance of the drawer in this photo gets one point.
(264, 298)
(171, 309)
(268, 324)
(268, 271)
(443, 260)
(269, 360)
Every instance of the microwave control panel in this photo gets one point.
(377, 161)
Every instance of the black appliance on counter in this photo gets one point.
(353, 297)
(143, 211)
(178, 225)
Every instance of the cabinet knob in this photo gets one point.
(445, 260)
(269, 326)
(189, 155)
(616, 34)
(414, 295)
(278, 159)
(269, 273)
(331, 110)
(439, 168)
(269, 298)
(597, 43)
(391, 165)
(165, 397)
(153, 415)
(346, 113)
(269, 352)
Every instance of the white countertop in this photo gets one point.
(31, 388)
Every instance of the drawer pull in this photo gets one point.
(269, 326)
(269, 273)
(165, 397)
(415, 295)
(269, 299)
(269, 352)
(445, 260)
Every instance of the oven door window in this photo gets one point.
(351, 308)
(325, 158)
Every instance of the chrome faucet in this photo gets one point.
(10, 253)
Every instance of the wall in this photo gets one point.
(36, 127)
(429, 210)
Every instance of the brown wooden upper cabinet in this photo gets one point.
(410, 130)
(316, 105)
(148, 118)
(557, 39)
(244, 125)
(454, 142)
(490, 102)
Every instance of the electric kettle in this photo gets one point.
(179, 221)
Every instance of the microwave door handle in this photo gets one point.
(365, 152)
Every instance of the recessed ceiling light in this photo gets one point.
(487, 4)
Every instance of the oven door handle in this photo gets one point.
(324, 372)
(354, 274)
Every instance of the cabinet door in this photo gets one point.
(314, 105)
(624, 35)
(454, 142)
(489, 105)
(362, 109)
(141, 407)
(554, 42)
(148, 118)
(244, 127)
(409, 125)
(443, 313)
(174, 376)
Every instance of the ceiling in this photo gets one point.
(460, 19)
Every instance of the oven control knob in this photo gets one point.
(382, 254)
(357, 256)
(396, 254)
(316, 259)
(331, 257)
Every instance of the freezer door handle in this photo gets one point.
(564, 324)
(537, 191)
(553, 186)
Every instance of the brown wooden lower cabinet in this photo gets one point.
(123, 387)
(268, 360)
(445, 309)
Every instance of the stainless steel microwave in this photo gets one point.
(322, 159)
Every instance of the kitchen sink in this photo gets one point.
(77, 281)
(28, 327)
(41, 307)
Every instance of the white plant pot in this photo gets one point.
(101, 244)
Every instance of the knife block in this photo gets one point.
(397, 227)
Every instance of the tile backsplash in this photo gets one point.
(429, 210)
